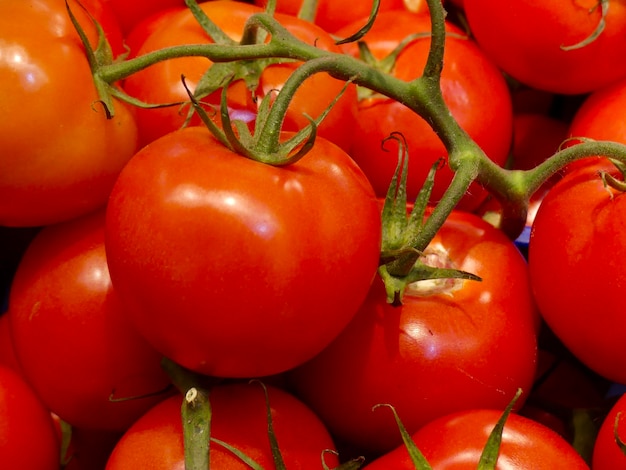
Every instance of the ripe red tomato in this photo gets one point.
(601, 116)
(526, 39)
(129, 14)
(28, 439)
(161, 83)
(575, 249)
(232, 267)
(60, 154)
(452, 345)
(239, 418)
(332, 15)
(606, 453)
(456, 442)
(472, 87)
(71, 337)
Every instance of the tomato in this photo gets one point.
(606, 453)
(7, 350)
(575, 246)
(332, 15)
(456, 441)
(232, 267)
(452, 345)
(129, 14)
(161, 83)
(472, 87)
(28, 439)
(601, 117)
(238, 418)
(60, 154)
(526, 39)
(71, 336)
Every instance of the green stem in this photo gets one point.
(196, 420)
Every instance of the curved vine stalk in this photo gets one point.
(422, 95)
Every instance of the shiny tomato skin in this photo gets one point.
(473, 88)
(60, 153)
(575, 244)
(436, 354)
(72, 339)
(28, 439)
(606, 453)
(332, 15)
(238, 268)
(525, 39)
(455, 442)
(161, 83)
(155, 441)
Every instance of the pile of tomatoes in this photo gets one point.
(145, 257)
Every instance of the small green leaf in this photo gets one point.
(416, 455)
(489, 457)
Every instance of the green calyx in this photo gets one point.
(402, 260)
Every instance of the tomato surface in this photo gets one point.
(607, 454)
(161, 83)
(456, 441)
(526, 39)
(238, 418)
(28, 439)
(452, 345)
(332, 15)
(575, 246)
(60, 154)
(71, 337)
(472, 87)
(601, 116)
(233, 267)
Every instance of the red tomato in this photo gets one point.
(452, 345)
(72, 339)
(606, 453)
(232, 267)
(129, 14)
(28, 439)
(456, 441)
(161, 83)
(332, 15)
(7, 350)
(526, 38)
(472, 86)
(601, 116)
(575, 247)
(60, 154)
(239, 418)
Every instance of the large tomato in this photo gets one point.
(238, 268)
(473, 88)
(28, 439)
(239, 418)
(60, 153)
(456, 442)
(452, 345)
(71, 336)
(527, 38)
(575, 253)
(161, 83)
